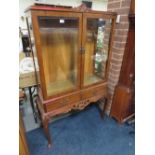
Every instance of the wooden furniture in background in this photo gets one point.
(123, 101)
(23, 147)
(73, 48)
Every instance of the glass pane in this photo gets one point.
(96, 50)
(59, 42)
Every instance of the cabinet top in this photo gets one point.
(79, 9)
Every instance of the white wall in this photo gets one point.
(23, 4)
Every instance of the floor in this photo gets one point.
(27, 114)
(84, 133)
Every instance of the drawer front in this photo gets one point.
(64, 101)
(95, 91)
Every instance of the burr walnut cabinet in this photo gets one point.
(73, 47)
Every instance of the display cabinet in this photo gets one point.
(73, 48)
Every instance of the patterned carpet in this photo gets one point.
(84, 133)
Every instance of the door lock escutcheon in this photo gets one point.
(82, 50)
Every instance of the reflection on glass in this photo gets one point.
(96, 47)
(59, 42)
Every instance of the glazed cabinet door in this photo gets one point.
(58, 42)
(96, 46)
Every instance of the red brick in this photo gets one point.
(113, 78)
(122, 26)
(117, 56)
(106, 42)
(114, 61)
(119, 45)
(107, 35)
(114, 72)
(116, 67)
(113, 1)
(122, 32)
(108, 108)
(108, 26)
(114, 5)
(107, 30)
(111, 9)
(112, 83)
(126, 3)
(117, 50)
(120, 48)
(122, 11)
(111, 90)
(117, 37)
(111, 87)
(111, 93)
(124, 18)
(120, 38)
(108, 23)
(113, 75)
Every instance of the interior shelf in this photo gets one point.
(60, 86)
(92, 78)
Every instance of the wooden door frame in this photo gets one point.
(35, 24)
(97, 15)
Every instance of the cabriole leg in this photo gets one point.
(46, 130)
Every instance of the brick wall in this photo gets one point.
(122, 8)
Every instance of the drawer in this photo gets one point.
(64, 101)
(94, 91)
